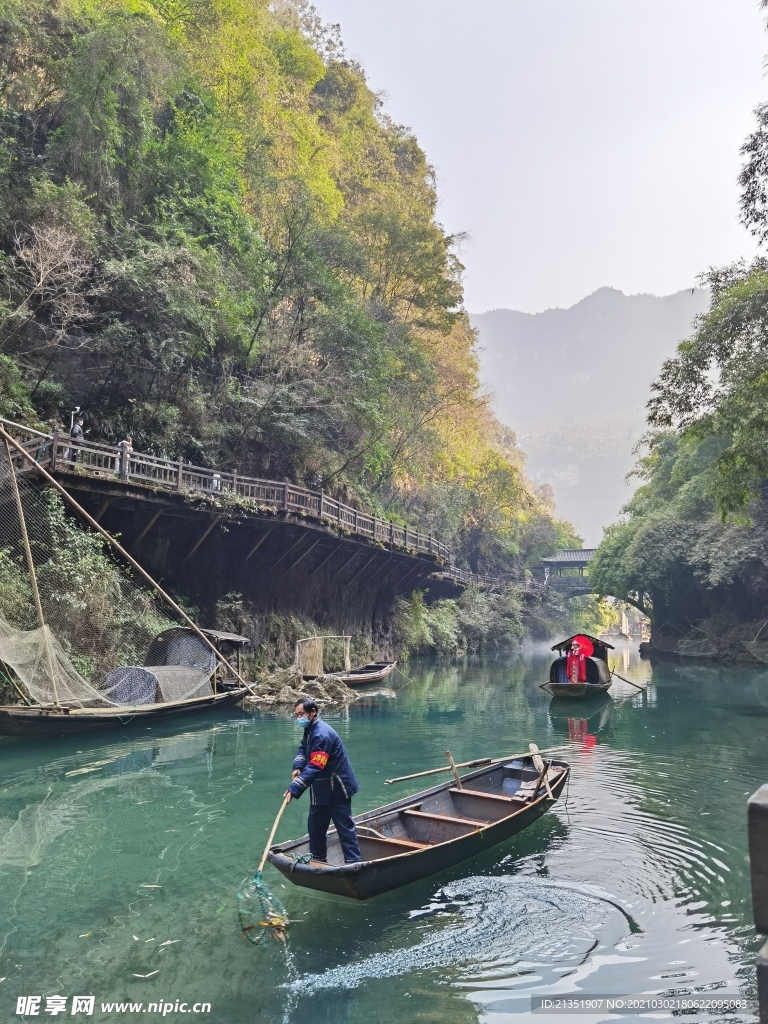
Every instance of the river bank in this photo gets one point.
(715, 639)
(475, 622)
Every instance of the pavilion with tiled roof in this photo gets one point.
(569, 558)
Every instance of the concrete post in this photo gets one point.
(762, 983)
(757, 826)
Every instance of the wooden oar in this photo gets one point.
(627, 680)
(542, 778)
(538, 763)
(454, 769)
(471, 764)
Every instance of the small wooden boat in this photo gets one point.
(36, 720)
(373, 672)
(420, 835)
(598, 674)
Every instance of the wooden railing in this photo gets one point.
(569, 582)
(497, 583)
(59, 453)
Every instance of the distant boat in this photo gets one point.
(417, 836)
(587, 676)
(373, 672)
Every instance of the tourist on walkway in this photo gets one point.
(126, 450)
(322, 766)
(76, 438)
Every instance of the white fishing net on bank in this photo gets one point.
(104, 639)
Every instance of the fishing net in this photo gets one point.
(667, 644)
(262, 916)
(98, 623)
(309, 656)
(695, 645)
(316, 655)
(758, 648)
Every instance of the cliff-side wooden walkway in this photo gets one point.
(108, 466)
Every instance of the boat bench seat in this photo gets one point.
(445, 817)
(467, 791)
(373, 848)
(438, 828)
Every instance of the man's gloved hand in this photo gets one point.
(288, 795)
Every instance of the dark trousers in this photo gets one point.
(340, 813)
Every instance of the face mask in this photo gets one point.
(303, 721)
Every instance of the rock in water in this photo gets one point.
(286, 687)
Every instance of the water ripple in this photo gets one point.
(491, 925)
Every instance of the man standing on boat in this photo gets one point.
(322, 766)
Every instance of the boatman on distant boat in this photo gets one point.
(576, 664)
(322, 766)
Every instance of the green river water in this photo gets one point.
(637, 880)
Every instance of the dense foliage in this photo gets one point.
(672, 556)
(693, 544)
(212, 236)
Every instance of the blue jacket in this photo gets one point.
(324, 766)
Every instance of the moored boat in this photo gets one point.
(417, 836)
(83, 644)
(581, 670)
(23, 720)
(364, 675)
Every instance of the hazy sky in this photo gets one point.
(580, 143)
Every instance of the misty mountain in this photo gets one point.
(573, 384)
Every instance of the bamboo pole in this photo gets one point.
(121, 550)
(30, 561)
(472, 764)
(286, 801)
(6, 674)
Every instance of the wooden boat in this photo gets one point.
(598, 679)
(417, 836)
(184, 670)
(66, 718)
(373, 672)
(36, 720)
